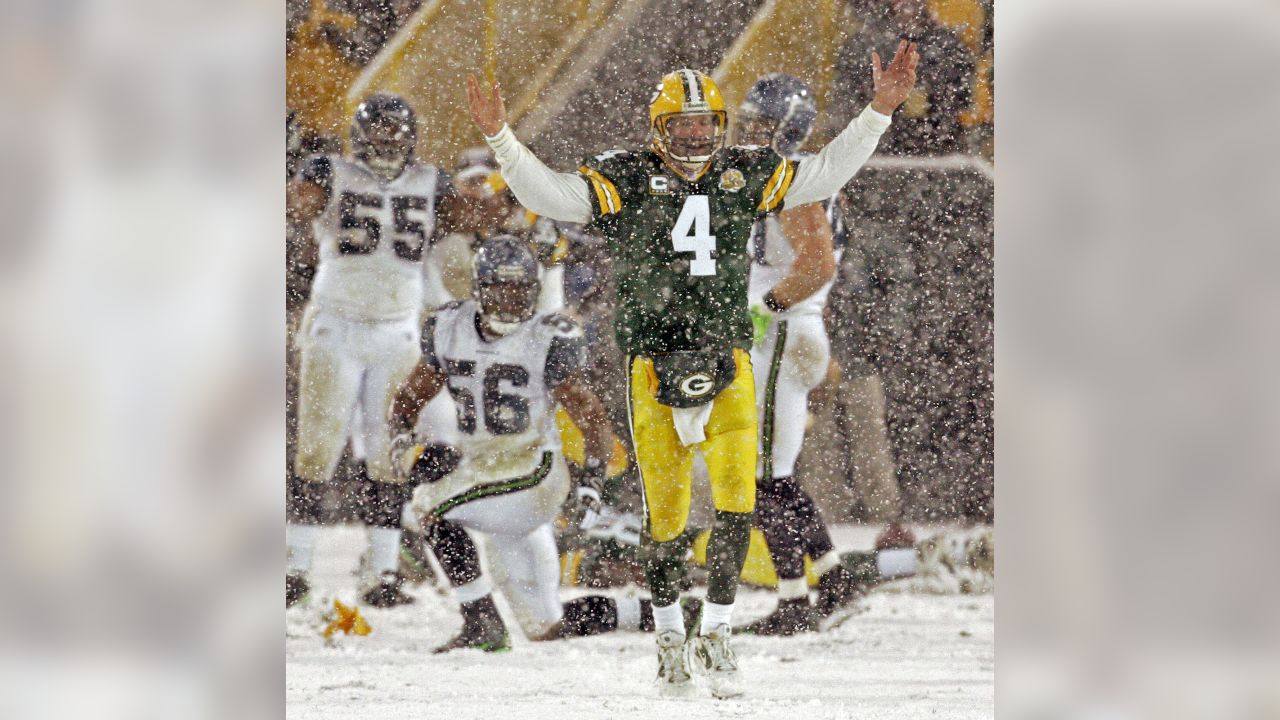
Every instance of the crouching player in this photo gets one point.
(506, 367)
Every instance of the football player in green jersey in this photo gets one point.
(678, 216)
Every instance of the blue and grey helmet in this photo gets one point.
(506, 282)
(384, 132)
(779, 111)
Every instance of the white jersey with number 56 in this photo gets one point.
(501, 386)
(372, 234)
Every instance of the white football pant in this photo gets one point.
(790, 362)
(350, 374)
(521, 546)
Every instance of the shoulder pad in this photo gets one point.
(612, 162)
(615, 155)
(451, 305)
(750, 153)
(317, 169)
(450, 308)
(562, 325)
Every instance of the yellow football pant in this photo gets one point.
(666, 465)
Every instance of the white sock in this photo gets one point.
(670, 617)
(628, 613)
(713, 615)
(824, 564)
(896, 563)
(473, 590)
(300, 539)
(791, 588)
(384, 550)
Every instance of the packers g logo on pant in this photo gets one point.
(697, 385)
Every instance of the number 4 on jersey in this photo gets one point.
(696, 216)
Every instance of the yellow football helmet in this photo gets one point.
(689, 93)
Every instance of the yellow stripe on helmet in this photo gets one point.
(671, 97)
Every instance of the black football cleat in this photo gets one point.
(387, 593)
(482, 629)
(296, 589)
(837, 589)
(791, 617)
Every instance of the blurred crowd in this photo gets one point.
(951, 109)
(902, 428)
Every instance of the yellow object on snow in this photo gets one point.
(347, 619)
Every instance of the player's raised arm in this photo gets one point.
(559, 196)
(819, 177)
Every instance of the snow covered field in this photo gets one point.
(907, 656)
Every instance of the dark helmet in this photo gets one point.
(779, 111)
(384, 133)
(506, 282)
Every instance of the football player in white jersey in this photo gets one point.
(793, 266)
(450, 271)
(372, 215)
(507, 365)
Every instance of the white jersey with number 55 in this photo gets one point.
(372, 234)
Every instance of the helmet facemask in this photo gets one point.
(505, 275)
(504, 306)
(691, 138)
(753, 129)
(384, 144)
(779, 112)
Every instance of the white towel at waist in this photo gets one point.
(691, 422)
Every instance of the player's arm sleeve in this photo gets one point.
(559, 196)
(429, 344)
(567, 355)
(818, 177)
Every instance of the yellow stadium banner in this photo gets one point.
(803, 37)
(523, 43)
(797, 37)
(317, 75)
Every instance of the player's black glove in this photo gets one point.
(415, 461)
(587, 501)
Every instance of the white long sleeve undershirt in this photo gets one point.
(565, 196)
(557, 195)
(820, 176)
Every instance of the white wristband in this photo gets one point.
(873, 121)
(501, 139)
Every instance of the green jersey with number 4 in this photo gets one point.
(680, 250)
